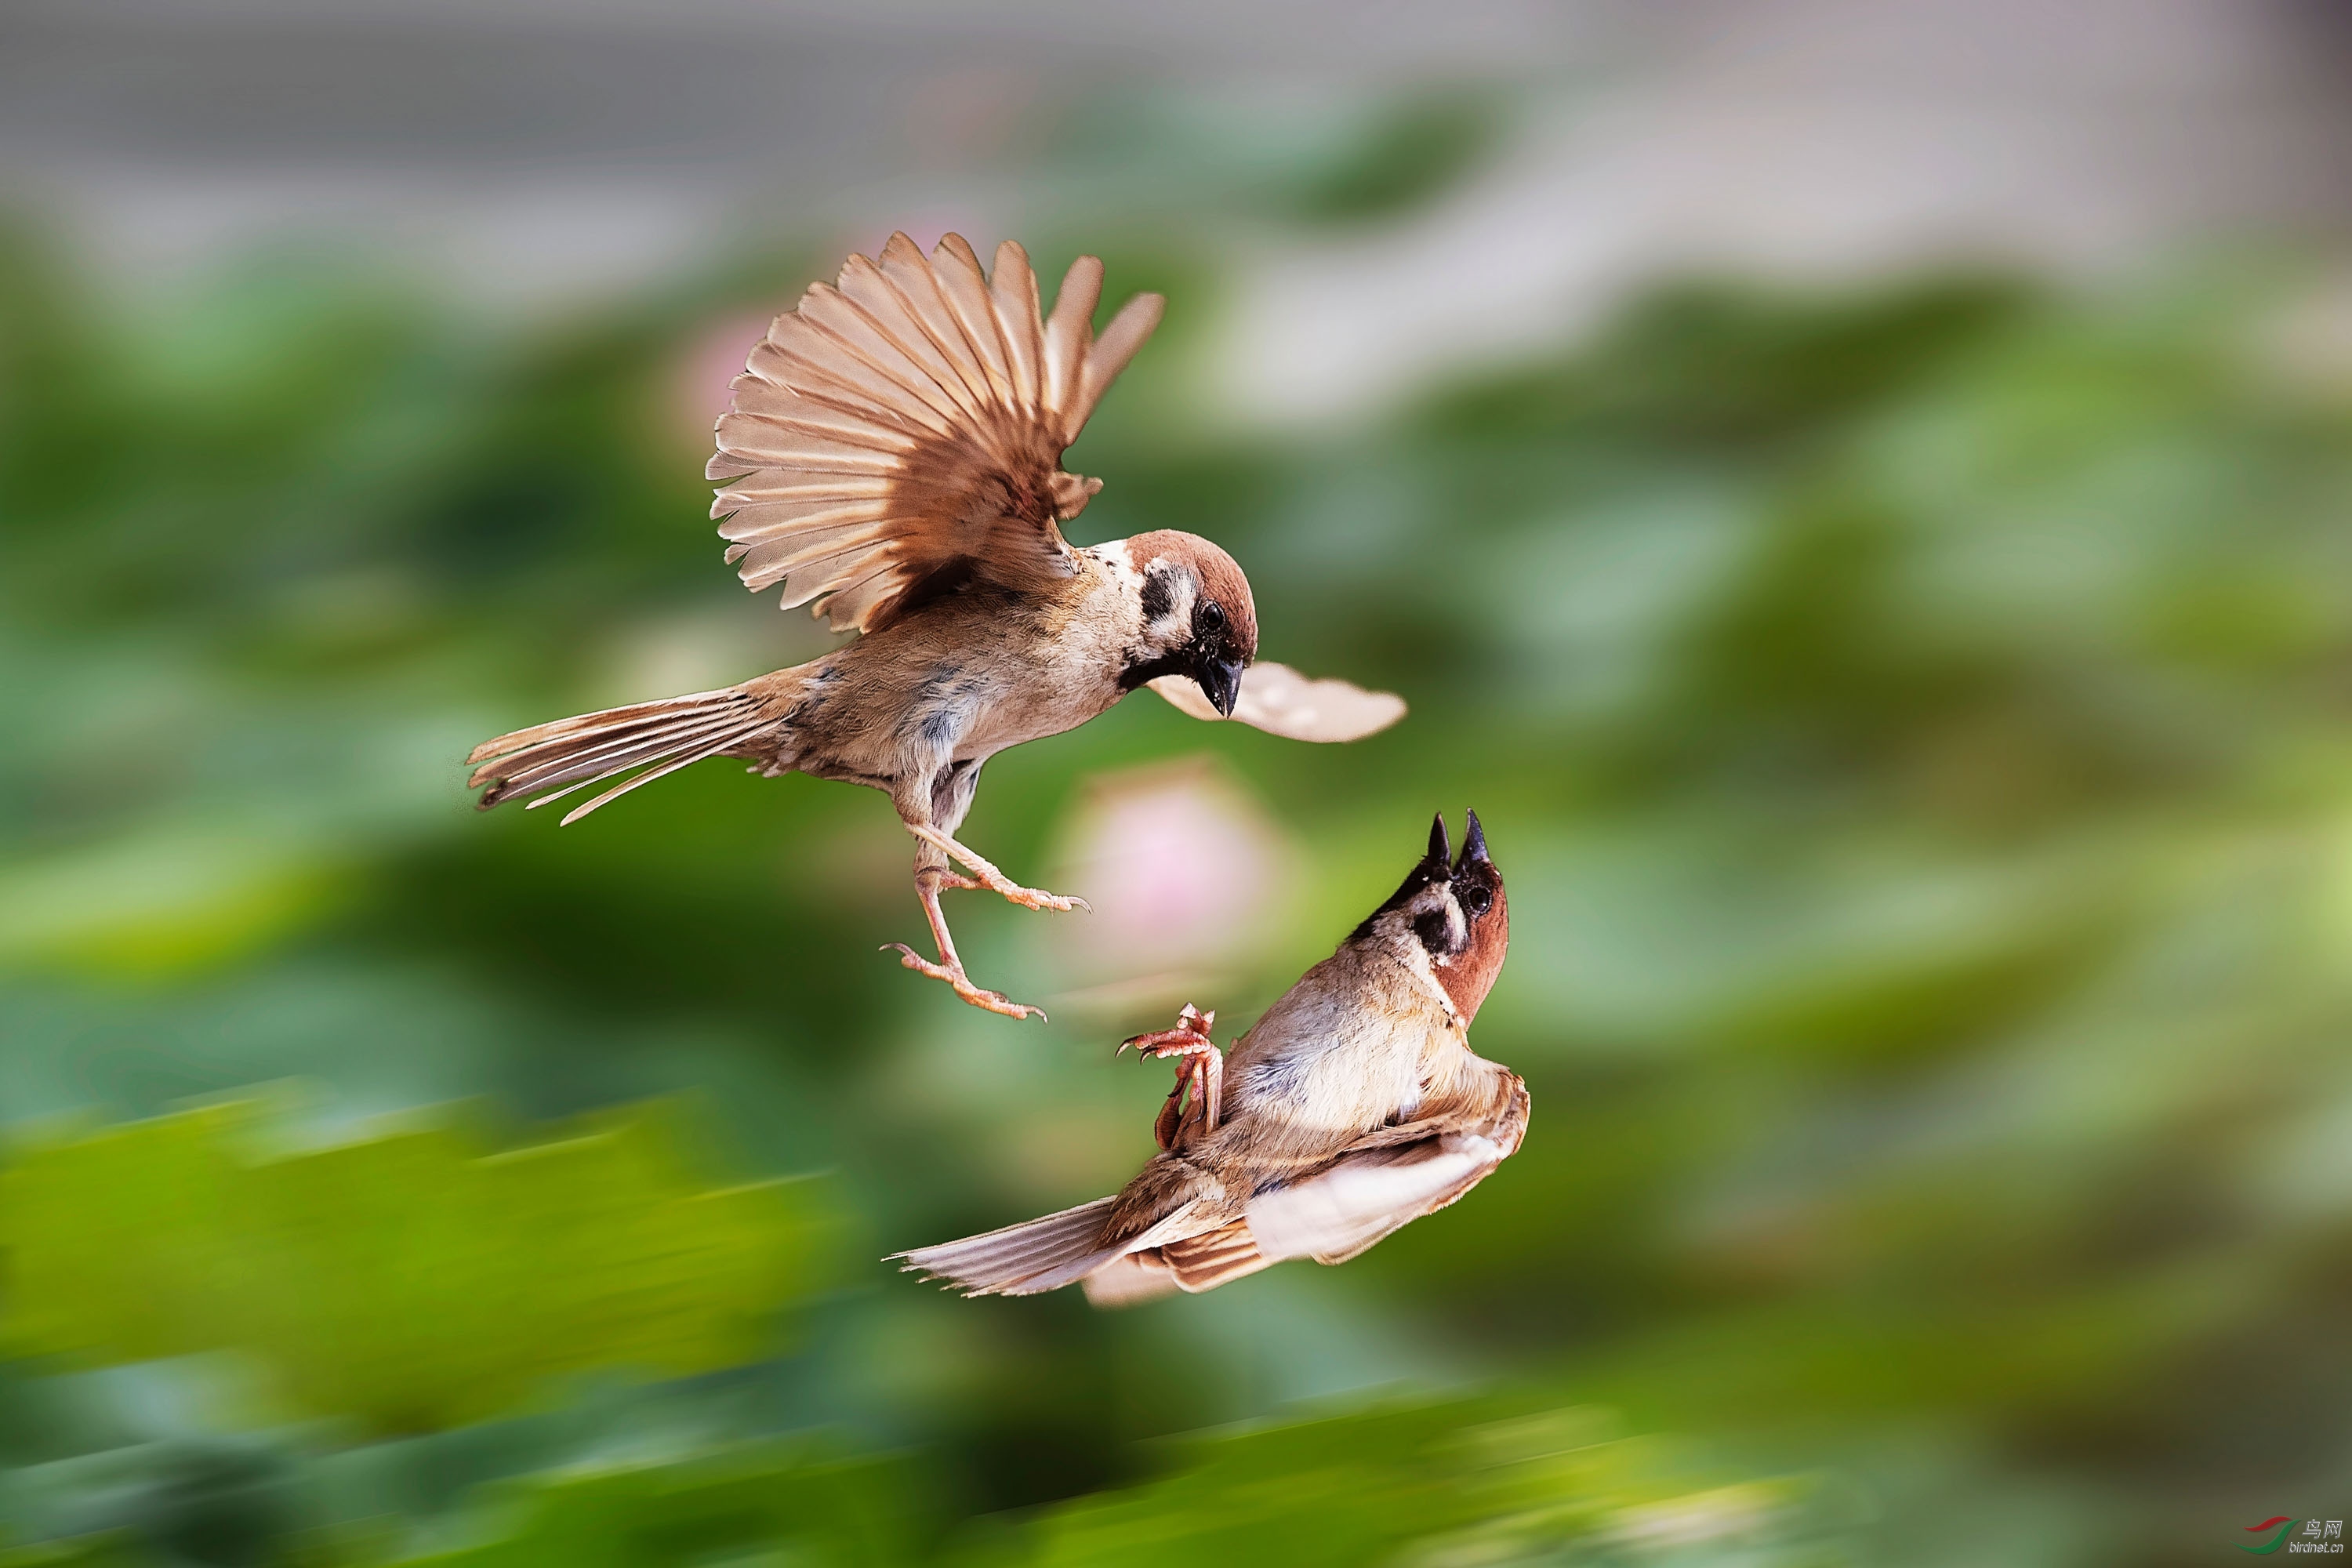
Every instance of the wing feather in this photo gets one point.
(1012, 295)
(765, 565)
(837, 317)
(771, 486)
(756, 395)
(1129, 1281)
(910, 419)
(911, 279)
(758, 520)
(896, 318)
(1068, 335)
(1215, 1257)
(857, 598)
(1390, 1178)
(965, 287)
(1136, 322)
(749, 443)
(824, 369)
(808, 542)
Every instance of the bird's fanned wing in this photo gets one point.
(1278, 699)
(907, 426)
(1390, 1178)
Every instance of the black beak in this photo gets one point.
(1440, 850)
(1221, 682)
(1474, 848)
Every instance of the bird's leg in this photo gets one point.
(929, 878)
(994, 880)
(1199, 1067)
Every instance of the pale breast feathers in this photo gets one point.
(1347, 1049)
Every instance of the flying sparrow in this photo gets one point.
(1353, 1106)
(892, 454)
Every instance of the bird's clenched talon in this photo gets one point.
(994, 1001)
(1199, 1067)
(1191, 1032)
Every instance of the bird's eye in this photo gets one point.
(1477, 900)
(1213, 616)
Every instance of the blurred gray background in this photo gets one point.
(531, 156)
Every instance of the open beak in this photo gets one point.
(1221, 682)
(1474, 848)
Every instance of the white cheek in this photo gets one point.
(1174, 629)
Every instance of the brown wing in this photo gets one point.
(1386, 1180)
(907, 426)
(1278, 699)
(1206, 1261)
(1191, 1265)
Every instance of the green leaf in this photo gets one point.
(414, 1280)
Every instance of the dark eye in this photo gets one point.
(1213, 616)
(1477, 900)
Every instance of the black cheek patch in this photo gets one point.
(1417, 878)
(1144, 670)
(1433, 931)
(1159, 597)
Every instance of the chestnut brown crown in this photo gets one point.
(1198, 612)
(1219, 578)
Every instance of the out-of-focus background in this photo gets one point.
(1855, 494)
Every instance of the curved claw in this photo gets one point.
(994, 1001)
(1191, 1034)
(1200, 1076)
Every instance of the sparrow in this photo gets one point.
(1353, 1106)
(891, 456)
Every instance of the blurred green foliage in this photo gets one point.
(1422, 1484)
(1412, 152)
(410, 1280)
(758, 1502)
(1459, 1482)
(1914, 724)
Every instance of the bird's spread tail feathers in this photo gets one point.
(645, 741)
(1022, 1260)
